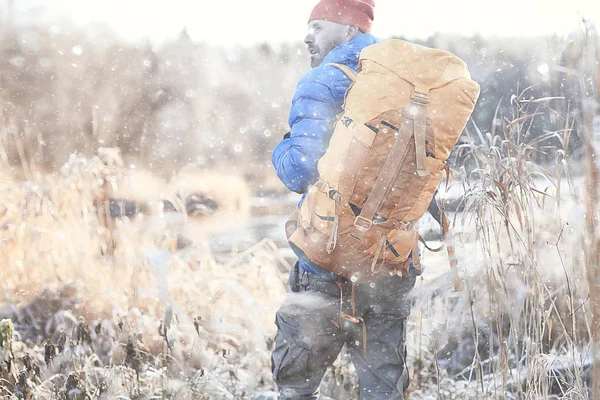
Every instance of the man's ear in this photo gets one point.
(352, 31)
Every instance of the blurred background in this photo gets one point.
(211, 83)
(141, 222)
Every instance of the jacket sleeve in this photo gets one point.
(312, 117)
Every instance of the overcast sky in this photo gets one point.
(249, 21)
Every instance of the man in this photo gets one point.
(310, 331)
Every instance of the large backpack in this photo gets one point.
(402, 116)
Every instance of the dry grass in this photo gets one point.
(118, 308)
(139, 307)
(132, 315)
(521, 328)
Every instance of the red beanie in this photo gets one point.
(348, 12)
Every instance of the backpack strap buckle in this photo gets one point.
(362, 224)
(332, 193)
(421, 99)
(335, 196)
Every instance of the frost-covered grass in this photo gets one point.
(138, 307)
(521, 328)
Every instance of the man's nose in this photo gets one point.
(309, 39)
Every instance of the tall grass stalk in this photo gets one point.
(508, 200)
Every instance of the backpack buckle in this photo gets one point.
(421, 99)
(362, 224)
(332, 193)
(335, 196)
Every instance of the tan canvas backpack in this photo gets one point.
(403, 114)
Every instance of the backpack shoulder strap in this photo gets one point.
(350, 73)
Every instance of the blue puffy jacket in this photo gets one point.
(316, 104)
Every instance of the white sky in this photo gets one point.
(249, 21)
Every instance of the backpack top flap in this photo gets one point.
(423, 67)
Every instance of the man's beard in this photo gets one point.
(315, 60)
(321, 52)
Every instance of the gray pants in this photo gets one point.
(310, 335)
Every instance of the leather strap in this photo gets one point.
(396, 156)
(380, 248)
(433, 250)
(419, 110)
(414, 256)
(332, 242)
(350, 73)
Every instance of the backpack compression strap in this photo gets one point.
(418, 105)
(396, 156)
(350, 73)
